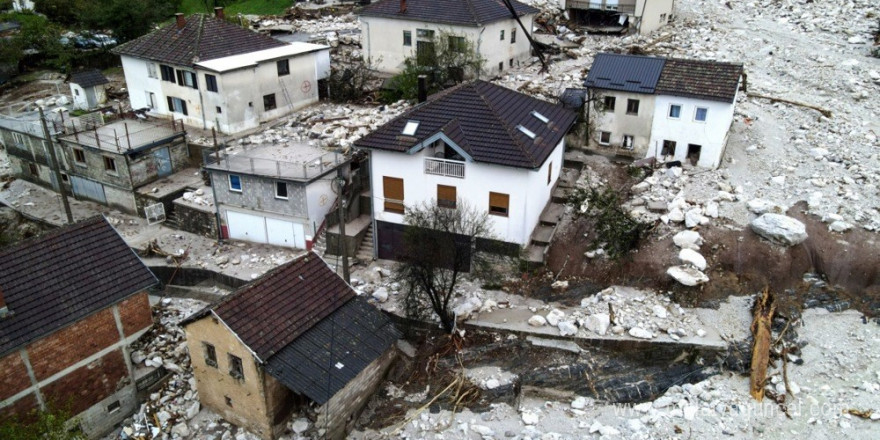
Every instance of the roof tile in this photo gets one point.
(459, 12)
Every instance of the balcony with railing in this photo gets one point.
(299, 162)
(444, 167)
(625, 6)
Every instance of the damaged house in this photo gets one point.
(298, 338)
(671, 109)
(71, 303)
(620, 16)
(499, 150)
(394, 30)
(214, 74)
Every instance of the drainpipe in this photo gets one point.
(201, 103)
(373, 209)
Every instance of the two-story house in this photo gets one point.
(297, 335)
(274, 193)
(71, 303)
(620, 16)
(394, 30)
(214, 74)
(671, 109)
(497, 149)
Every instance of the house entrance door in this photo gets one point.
(694, 153)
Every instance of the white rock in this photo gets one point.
(181, 430)
(780, 229)
(638, 332)
(559, 285)
(692, 257)
(608, 431)
(690, 412)
(675, 215)
(579, 402)
(761, 206)
(687, 275)
(537, 321)
(483, 430)
(530, 418)
(554, 317)
(595, 427)
(694, 217)
(567, 328)
(598, 323)
(712, 209)
(688, 239)
(635, 425)
(381, 294)
(491, 384)
(659, 311)
(300, 425)
(839, 226)
(192, 410)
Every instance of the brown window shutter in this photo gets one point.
(446, 196)
(393, 192)
(498, 203)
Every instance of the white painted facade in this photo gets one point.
(653, 14)
(383, 41)
(528, 189)
(711, 134)
(85, 98)
(242, 83)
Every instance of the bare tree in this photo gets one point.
(439, 249)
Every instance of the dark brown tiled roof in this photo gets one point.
(482, 119)
(63, 276)
(271, 312)
(89, 78)
(710, 80)
(462, 12)
(202, 38)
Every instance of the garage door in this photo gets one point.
(246, 227)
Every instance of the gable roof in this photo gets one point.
(63, 276)
(202, 38)
(458, 12)
(482, 119)
(709, 80)
(306, 324)
(89, 78)
(626, 73)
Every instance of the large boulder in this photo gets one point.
(692, 257)
(687, 275)
(780, 229)
(688, 239)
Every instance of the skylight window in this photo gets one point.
(410, 128)
(526, 131)
(540, 117)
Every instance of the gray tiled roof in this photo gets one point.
(627, 73)
(710, 80)
(202, 38)
(89, 78)
(460, 12)
(63, 276)
(482, 119)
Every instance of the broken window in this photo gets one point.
(628, 141)
(674, 111)
(167, 73)
(668, 148)
(109, 164)
(407, 38)
(235, 183)
(392, 188)
(113, 407)
(210, 355)
(281, 190)
(151, 70)
(609, 102)
(283, 67)
(269, 102)
(632, 106)
(18, 138)
(456, 44)
(498, 204)
(701, 113)
(662, 18)
(446, 196)
(235, 368)
(604, 137)
(211, 83)
(79, 156)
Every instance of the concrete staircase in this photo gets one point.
(365, 250)
(539, 245)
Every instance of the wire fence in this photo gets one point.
(277, 168)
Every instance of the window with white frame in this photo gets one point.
(674, 111)
(235, 182)
(407, 38)
(700, 114)
(628, 141)
(604, 137)
(281, 190)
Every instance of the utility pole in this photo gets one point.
(55, 167)
(343, 246)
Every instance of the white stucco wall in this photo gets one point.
(382, 40)
(650, 11)
(711, 135)
(528, 189)
(80, 101)
(319, 200)
(619, 123)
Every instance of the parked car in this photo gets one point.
(102, 40)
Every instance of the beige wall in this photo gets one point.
(619, 123)
(248, 396)
(653, 14)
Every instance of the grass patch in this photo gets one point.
(254, 7)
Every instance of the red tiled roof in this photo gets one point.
(461, 12)
(202, 38)
(482, 119)
(63, 276)
(277, 308)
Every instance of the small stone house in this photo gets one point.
(295, 336)
(394, 30)
(88, 89)
(71, 303)
(671, 109)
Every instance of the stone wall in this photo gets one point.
(258, 194)
(198, 221)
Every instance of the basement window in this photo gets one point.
(281, 190)
(526, 131)
(235, 368)
(113, 407)
(410, 128)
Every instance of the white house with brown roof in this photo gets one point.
(213, 74)
(88, 89)
(671, 109)
(394, 30)
(496, 149)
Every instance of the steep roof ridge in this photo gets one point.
(507, 128)
(200, 29)
(473, 11)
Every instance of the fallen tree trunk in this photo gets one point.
(763, 317)
(825, 112)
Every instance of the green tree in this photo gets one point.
(615, 231)
(36, 35)
(127, 19)
(51, 424)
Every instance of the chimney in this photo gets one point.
(402, 6)
(218, 12)
(423, 88)
(4, 311)
(181, 22)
